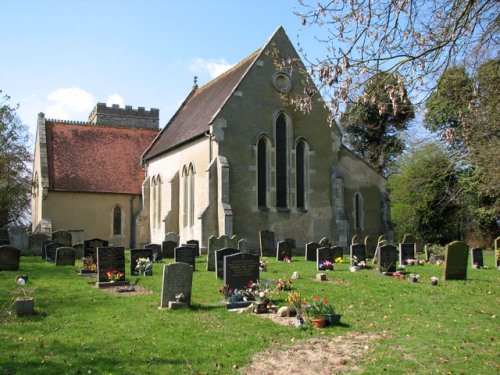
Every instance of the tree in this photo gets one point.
(15, 178)
(373, 130)
(425, 195)
(415, 38)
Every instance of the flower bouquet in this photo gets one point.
(326, 266)
(144, 266)
(115, 275)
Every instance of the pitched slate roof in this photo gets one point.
(95, 159)
(194, 116)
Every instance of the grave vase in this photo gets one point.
(318, 322)
(332, 319)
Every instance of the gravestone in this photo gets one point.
(109, 258)
(65, 256)
(135, 254)
(196, 245)
(244, 245)
(427, 252)
(215, 244)
(267, 243)
(176, 285)
(90, 247)
(62, 237)
(219, 260)
(193, 248)
(419, 245)
(406, 251)
(370, 247)
(409, 238)
(324, 254)
(4, 237)
(356, 239)
(9, 258)
(358, 250)
(240, 269)
(185, 254)
(169, 244)
(456, 261)
(476, 255)
(284, 250)
(36, 242)
(382, 240)
(497, 253)
(325, 242)
(19, 238)
(78, 250)
(387, 258)
(156, 251)
(311, 248)
(49, 252)
(77, 235)
(338, 252)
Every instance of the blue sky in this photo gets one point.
(62, 57)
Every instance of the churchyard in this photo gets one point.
(389, 324)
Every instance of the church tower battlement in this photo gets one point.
(125, 117)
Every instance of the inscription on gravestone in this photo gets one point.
(240, 269)
(184, 254)
(90, 247)
(135, 255)
(177, 284)
(406, 251)
(387, 258)
(110, 259)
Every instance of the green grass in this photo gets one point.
(78, 329)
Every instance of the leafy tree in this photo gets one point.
(415, 38)
(15, 179)
(424, 195)
(373, 130)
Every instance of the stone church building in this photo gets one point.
(234, 159)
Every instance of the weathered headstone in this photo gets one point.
(219, 260)
(215, 244)
(177, 285)
(90, 247)
(62, 237)
(4, 237)
(193, 248)
(409, 238)
(419, 245)
(156, 251)
(167, 249)
(19, 238)
(325, 242)
(196, 245)
(406, 251)
(267, 243)
(78, 250)
(358, 250)
(370, 246)
(338, 252)
(284, 250)
(387, 258)
(110, 258)
(456, 261)
(244, 245)
(49, 251)
(477, 257)
(65, 256)
(240, 269)
(185, 254)
(427, 252)
(356, 239)
(324, 254)
(36, 242)
(135, 255)
(311, 248)
(9, 258)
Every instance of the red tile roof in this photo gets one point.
(96, 159)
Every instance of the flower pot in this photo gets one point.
(318, 322)
(25, 306)
(332, 319)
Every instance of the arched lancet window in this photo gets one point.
(153, 201)
(158, 202)
(185, 197)
(281, 162)
(117, 221)
(262, 183)
(191, 196)
(188, 195)
(300, 174)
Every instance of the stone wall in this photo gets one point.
(125, 117)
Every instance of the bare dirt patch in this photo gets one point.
(138, 289)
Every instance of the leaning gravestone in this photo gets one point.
(324, 254)
(65, 256)
(156, 251)
(49, 251)
(406, 251)
(185, 254)
(358, 250)
(284, 250)
(240, 269)
(63, 237)
(177, 285)
(4, 237)
(9, 258)
(476, 256)
(311, 248)
(110, 258)
(219, 260)
(267, 244)
(387, 259)
(36, 242)
(135, 255)
(90, 247)
(456, 261)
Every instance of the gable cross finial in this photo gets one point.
(195, 83)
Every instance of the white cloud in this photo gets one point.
(115, 98)
(69, 103)
(213, 67)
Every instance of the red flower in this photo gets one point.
(315, 298)
(325, 301)
(250, 283)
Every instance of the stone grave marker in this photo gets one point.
(50, 251)
(240, 269)
(338, 252)
(78, 250)
(135, 254)
(219, 260)
(185, 254)
(215, 244)
(63, 237)
(156, 251)
(167, 249)
(267, 243)
(406, 251)
(65, 256)
(358, 250)
(284, 250)
(244, 245)
(110, 258)
(409, 238)
(387, 258)
(325, 242)
(356, 239)
(196, 245)
(419, 246)
(311, 248)
(324, 254)
(4, 237)
(19, 238)
(36, 243)
(9, 258)
(193, 248)
(90, 247)
(370, 246)
(476, 255)
(427, 252)
(456, 261)
(177, 285)
(497, 253)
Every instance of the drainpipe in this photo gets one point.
(132, 226)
